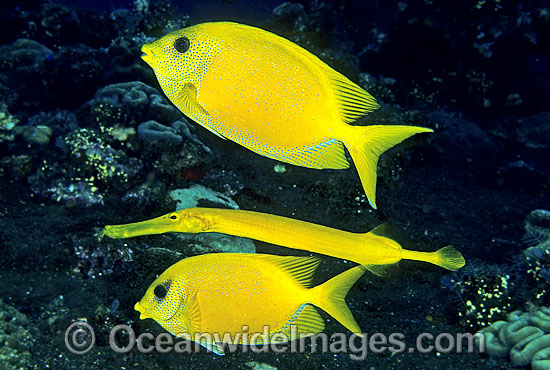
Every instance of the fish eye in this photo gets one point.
(182, 44)
(173, 216)
(160, 291)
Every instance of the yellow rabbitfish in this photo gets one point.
(243, 298)
(272, 97)
(373, 249)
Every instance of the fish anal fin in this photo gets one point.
(304, 322)
(380, 270)
(217, 348)
(329, 154)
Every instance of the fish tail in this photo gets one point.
(446, 257)
(330, 297)
(368, 144)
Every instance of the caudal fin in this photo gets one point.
(449, 258)
(446, 257)
(331, 295)
(370, 143)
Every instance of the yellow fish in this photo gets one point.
(271, 96)
(373, 249)
(243, 298)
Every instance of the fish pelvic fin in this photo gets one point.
(368, 144)
(446, 257)
(331, 295)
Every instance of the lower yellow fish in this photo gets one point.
(246, 298)
(373, 249)
(271, 96)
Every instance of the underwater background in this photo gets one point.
(87, 138)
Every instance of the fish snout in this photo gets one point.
(139, 307)
(148, 55)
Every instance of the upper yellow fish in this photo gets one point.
(271, 96)
(373, 249)
(246, 298)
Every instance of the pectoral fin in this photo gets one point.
(187, 102)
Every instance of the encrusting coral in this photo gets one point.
(525, 336)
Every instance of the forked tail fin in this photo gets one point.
(331, 295)
(368, 146)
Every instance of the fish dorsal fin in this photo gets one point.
(300, 269)
(386, 230)
(353, 101)
(327, 155)
(186, 100)
(304, 322)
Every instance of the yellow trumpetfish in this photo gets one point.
(246, 298)
(272, 97)
(371, 249)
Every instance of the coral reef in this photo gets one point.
(525, 336)
(15, 339)
(536, 258)
(484, 292)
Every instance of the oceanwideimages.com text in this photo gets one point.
(80, 339)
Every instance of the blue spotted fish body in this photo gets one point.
(253, 298)
(272, 97)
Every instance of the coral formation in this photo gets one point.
(15, 339)
(484, 292)
(525, 336)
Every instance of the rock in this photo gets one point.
(153, 133)
(535, 131)
(196, 194)
(210, 242)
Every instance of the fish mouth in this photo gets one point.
(139, 307)
(148, 55)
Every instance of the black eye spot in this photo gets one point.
(182, 44)
(160, 291)
(173, 217)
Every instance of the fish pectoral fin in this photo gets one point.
(186, 100)
(192, 315)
